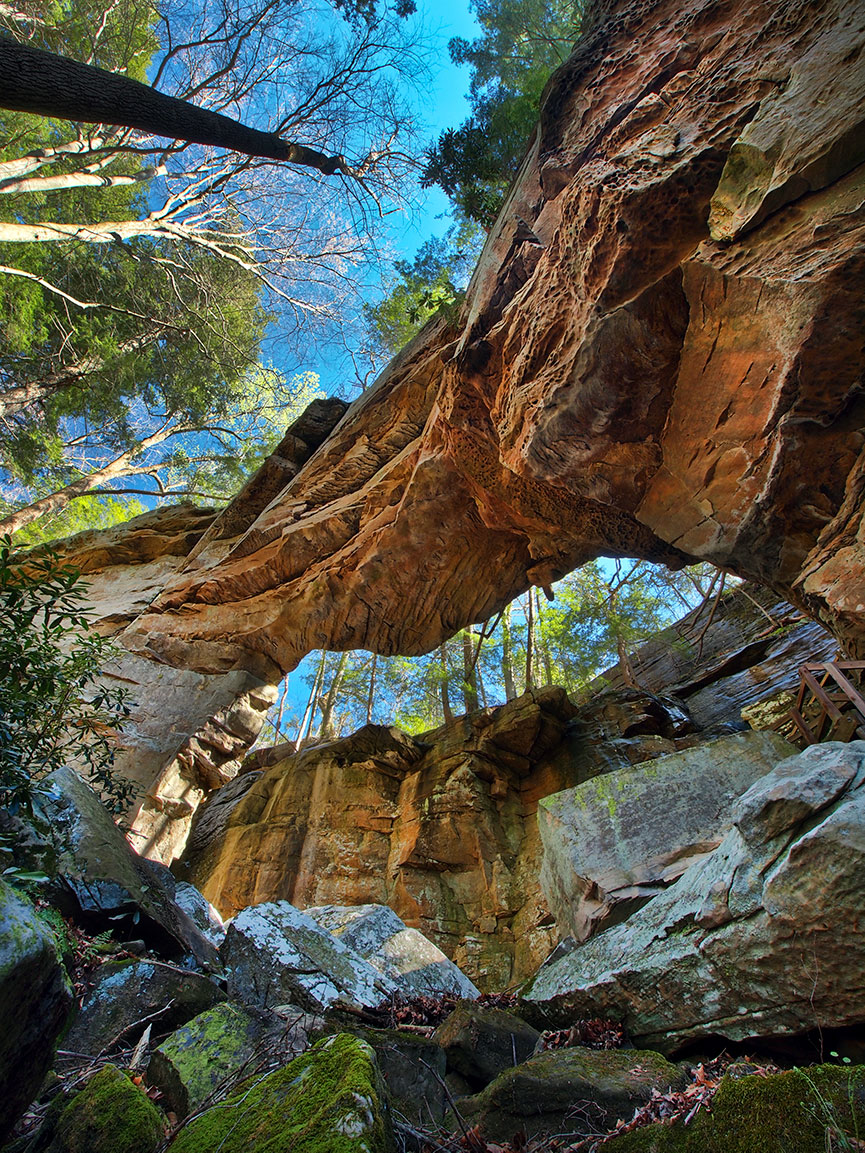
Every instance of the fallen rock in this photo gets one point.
(330, 1098)
(102, 880)
(616, 841)
(414, 1069)
(801, 1111)
(200, 911)
(35, 999)
(413, 963)
(275, 954)
(575, 1092)
(760, 938)
(132, 994)
(109, 1115)
(213, 1051)
(479, 1043)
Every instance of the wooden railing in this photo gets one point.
(829, 706)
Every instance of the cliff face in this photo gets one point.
(660, 355)
(443, 827)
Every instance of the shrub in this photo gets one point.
(54, 710)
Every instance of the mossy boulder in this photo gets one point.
(480, 1043)
(217, 1048)
(132, 991)
(573, 1091)
(802, 1111)
(35, 1000)
(329, 1100)
(109, 1115)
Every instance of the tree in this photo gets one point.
(522, 42)
(434, 281)
(53, 707)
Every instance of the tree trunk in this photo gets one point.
(470, 680)
(541, 645)
(326, 728)
(45, 84)
(508, 657)
(21, 396)
(306, 720)
(370, 700)
(447, 712)
(120, 466)
(530, 641)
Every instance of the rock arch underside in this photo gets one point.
(660, 355)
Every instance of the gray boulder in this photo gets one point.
(616, 841)
(406, 956)
(480, 1043)
(101, 877)
(35, 1000)
(200, 911)
(274, 954)
(132, 993)
(762, 937)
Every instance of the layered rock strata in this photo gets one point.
(660, 355)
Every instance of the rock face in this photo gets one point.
(660, 355)
(442, 829)
(35, 995)
(757, 939)
(615, 842)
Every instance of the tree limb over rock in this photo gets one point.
(45, 84)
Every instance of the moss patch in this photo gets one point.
(109, 1115)
(787, 1113)
(326, 1101)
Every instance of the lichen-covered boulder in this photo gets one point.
(413, 1069)
(215, 1050)
(616, 841)
(109, 1115)
(200, 911)
(102, 879)
(130, 991)
(570, 1091)
(802, 1111)
(762, 937)
(329, 1100)
(35, 1000)
(274, 954)
(480, 1043)
(406, 956)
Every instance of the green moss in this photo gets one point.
(326, 1101)
(109, 1115)
(787, 1113)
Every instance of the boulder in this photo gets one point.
(109, 1115)
(802, 1111)
(129, 995)
(406, 956)
(760, 938)
(103, 881)
(480, 1043)
(275, 954)
(215, 1050)
(576, 1092)
(35, 996)
(616, 841)
(414, 1070)
(200, 912)
(330, 1098)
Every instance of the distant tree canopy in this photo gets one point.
(522, 42)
